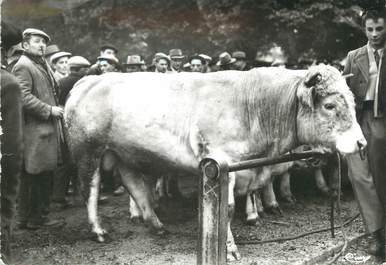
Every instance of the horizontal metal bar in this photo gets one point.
(259, 162)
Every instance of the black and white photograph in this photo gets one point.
(193, 132)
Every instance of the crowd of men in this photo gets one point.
(33, 96)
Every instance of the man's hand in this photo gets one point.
(57, 112)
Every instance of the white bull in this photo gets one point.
(153, 124)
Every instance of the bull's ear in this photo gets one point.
(313, 80)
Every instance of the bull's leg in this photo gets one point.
(134, 183)
(135, 212)
(89, 180)
(92, 206)
(259, 204)
(285, 188)
(232, 250)
(251, 209)
(160, 187)
(321, 182)
(270, 202)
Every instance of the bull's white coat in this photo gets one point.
(163, 124)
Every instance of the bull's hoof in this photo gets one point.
(233, 255)
(254, 222)
(136, 219)
(160, 232)
(290, 199)
(275, 210)
(102, 238)
(325, 191)
(262, 215)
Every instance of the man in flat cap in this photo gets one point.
(162, 63)
(51, 50)
(108, 63)
(42, 133)
(176, 60)
(59, 63)
(11, 140)
(208, 60)
(197, 63)
(106, 50)
(241, 61)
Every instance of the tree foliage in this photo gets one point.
(309, 29)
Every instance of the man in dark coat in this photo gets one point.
(367, 176)
(41, 130)
(66, 172)
(11, 140)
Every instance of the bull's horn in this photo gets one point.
(348, 75)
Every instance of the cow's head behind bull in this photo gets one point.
(326, 113)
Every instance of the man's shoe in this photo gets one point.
(33, 226)
(63, 204)
(52, 222)
(376, 245)
(119, 191)
(102, 198)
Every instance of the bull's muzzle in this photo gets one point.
(362, 148)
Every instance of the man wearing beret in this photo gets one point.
(11, 140)
(42, 133)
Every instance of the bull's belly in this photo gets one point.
(149, 158)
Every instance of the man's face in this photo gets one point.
(61, 65)
(108, 52)
(196, 66)
(177, 63)
(239, 65)
(133, 68)
(376, 32)
(162, 65)
(36, 45)
(106, 67)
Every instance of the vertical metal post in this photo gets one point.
(213, 212)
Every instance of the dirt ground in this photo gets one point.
(132, 243)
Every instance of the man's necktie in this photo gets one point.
(377, 57)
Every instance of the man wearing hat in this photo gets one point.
(11, 139)
(59, 63)
(176, 60)
(42, 133)
(133, 64)
(208, 60)
(197, 63)
(162, 63)
(225, 62)
(241, 61)
(108, 50)
(78, 66)
(108, 63)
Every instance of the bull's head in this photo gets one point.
(326, 112)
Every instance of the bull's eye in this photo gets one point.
(329, 106)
